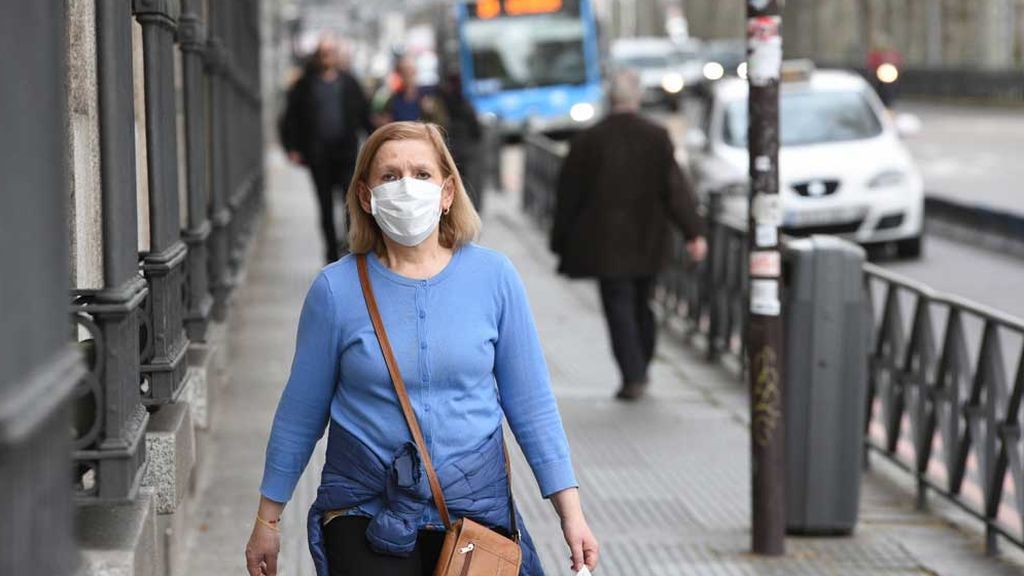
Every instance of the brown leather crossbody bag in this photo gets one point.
(470, 549)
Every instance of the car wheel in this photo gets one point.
(909, 248)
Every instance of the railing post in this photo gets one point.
(192, 39)
(221, 279)
(163, 266)
(713, 275)
(38, 367)
(111, 421)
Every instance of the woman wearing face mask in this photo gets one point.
(458, 320)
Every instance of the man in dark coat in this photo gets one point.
(619, 190)
(326, 114)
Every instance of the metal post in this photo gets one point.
(110, 420)
(221, 279)
(764, 332)
(192, 39)
(38, 367)
(164, 370)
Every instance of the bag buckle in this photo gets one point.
(467, 549)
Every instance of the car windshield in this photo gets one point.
(526, 51)
(810, 117)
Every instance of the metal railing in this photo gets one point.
(945, 406)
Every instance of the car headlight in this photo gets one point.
(888, 73)
(887, 179)
(741, 70)
(582, 112)
(672, 83)
(714, 71)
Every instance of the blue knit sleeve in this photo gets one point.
(305, 405)
(524, 387)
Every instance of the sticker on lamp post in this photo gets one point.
(764, 297)
(764, 50)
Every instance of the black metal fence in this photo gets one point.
(945, 405)
(73, 430)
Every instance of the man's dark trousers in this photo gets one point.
(631, 324)
(329, 175)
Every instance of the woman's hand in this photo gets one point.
(581, 541)
(265, 541)
(261, 551)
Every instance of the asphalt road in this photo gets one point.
(970, 154)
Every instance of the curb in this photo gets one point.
(976, 224)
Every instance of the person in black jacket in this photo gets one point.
(464, 135)
(326, 114)
(619, 189)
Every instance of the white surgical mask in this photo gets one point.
(407, 210)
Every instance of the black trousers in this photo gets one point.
(349, 552)
(328, 177)
(627, 309)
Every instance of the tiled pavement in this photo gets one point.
(665, 481)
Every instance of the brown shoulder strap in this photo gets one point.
(403, 396)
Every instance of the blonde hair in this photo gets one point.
(459, 226)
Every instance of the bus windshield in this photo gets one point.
(510, 52)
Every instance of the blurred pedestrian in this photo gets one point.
(409, 101)
(464, 134)
(619, 189)
(462, 335)
(326, 114)
(885, 62)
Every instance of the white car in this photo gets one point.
(666, 68)
(843, 169)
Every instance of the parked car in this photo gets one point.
(843, 168)
(723, 59)
(666, 68)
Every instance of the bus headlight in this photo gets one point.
(887, 73)
(672, 83)
(582, 112)
(714, 71)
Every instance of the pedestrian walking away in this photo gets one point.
(327, 112)
(411, 351)
(464, 135)
(619, 191)
(409, 101)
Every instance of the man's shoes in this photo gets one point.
(632, 390)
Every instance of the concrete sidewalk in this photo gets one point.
(665, 481)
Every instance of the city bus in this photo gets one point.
(533, 61)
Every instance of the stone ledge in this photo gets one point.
(120, 539)
(173, 537)
(170, 451)
(200, 361)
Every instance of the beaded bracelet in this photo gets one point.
(272, 525)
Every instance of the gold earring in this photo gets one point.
(447, 210)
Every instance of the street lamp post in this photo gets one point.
(764, 331)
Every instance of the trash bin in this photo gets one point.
(825, 383)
